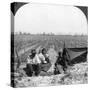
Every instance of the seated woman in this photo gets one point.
(45, 54)
(45, 62)
(41, 56)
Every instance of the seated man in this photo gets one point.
(58, 68)
(33, 64)
(61, 61)
(29, 68)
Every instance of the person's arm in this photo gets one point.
(37, 59)
(42, 58)
(29, 60)
(47, 55)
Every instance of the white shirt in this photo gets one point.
(29, 60)
(36, 59)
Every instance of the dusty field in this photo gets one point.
(24, 43)
(77, 74)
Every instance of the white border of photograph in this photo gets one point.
(5, 44)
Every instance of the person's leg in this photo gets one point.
(65, 67)
(56, 71)
(29, 70)
(34, 68)
(37, 69)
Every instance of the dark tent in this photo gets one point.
(70, 56)
(76, 55)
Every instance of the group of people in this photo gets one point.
(35, 60)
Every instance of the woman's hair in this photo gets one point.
(44, 51)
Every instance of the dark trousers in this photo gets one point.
(36, 69)
(29, 70)
(33, 68)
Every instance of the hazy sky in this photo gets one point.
(37, 18)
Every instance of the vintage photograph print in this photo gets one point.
(49, 44)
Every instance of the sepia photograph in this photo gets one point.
(49, 44)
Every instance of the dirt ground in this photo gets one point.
(77, 74)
